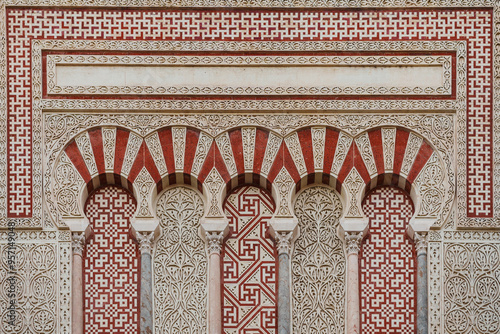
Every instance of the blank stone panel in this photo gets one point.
(180, 265)
(388, 265)
(111, 265)
(318, 264)
(249, 264)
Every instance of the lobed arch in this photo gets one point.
(250, 155)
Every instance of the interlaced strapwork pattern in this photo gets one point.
(249, 264)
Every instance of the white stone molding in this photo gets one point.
(262, 3)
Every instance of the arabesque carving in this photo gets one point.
(180, 265)
(318, 264)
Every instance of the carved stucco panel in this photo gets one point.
(318, 264)
(180, 265)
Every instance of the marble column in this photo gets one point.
(77, 283)
(422, 315)
(353, 243)
(214, 245)
(283, 244)
(145, 241)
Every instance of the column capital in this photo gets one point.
(284, 242)
(284, 231)
(353, 242)
(214, 242)
(78, 242)
(145, 240)
(421, 242)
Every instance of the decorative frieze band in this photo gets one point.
(249, 75)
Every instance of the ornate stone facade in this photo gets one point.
(180, 103)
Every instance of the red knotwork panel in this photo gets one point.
(388, 265)
(249, 264)
(111, 265)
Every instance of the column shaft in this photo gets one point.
(422, 317)
(77, 294)
(353, 321)
(284, 323)
(146, 294)
(353, 243)
(215, 307)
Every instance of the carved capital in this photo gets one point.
(145, 241)
(421, 243)
(353, 242)
(214, 242)
(284, 242)
(78, 239)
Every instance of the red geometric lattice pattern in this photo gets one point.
(111, 272)
(249, 267)
(388, 271)
(472, 25)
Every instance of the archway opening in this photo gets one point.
(111, 263)
(388, 264)
(249, 269)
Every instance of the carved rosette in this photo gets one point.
(145, 241)
(284, 242)
(353, 242)
(421, 243)
(214, 242)
(78, 243)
